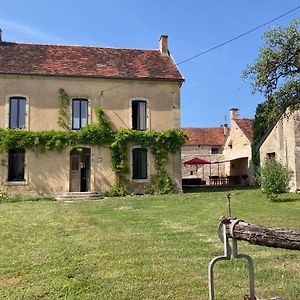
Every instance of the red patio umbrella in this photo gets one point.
(197, 161)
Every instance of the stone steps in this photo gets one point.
(79, 196)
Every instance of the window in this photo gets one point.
(139, 115)
(17, 112)
(79, 113)
(139, 163)
(271, 156)
(215, 151)
(16, 164)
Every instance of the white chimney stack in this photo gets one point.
(234, 113)
(163, 45)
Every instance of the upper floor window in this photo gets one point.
(139, 115)
(215, 150)
(139, 163)
(17, 107)
(79, 113)
(16, 164)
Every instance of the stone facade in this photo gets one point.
(283, 143)
(237, 149)
(50, 172)
(228, 150)
(204, 143)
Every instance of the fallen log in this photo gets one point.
(262, 235)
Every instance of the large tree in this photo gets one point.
(276, 74)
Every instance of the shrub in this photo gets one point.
(160, 184)
(3, 193)
(117, 191)
(274, 179)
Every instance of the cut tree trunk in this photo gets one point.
(262, 235)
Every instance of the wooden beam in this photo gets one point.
(262, 235)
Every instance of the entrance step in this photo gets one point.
(79, 196)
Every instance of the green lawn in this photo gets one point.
(141, 248)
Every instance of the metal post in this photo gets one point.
(229, 205)
(228, 254)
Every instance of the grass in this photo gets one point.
(140, 248)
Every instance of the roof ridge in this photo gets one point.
(82, 46)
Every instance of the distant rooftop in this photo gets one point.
(246, 126)
(205, 136)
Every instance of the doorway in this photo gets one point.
(80, 169)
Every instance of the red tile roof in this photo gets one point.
(205, 136)
(21, 58)
(246, 126)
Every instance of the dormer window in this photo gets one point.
(17, 107)
(139, 115)
(79, 113)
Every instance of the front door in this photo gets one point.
(80, 170)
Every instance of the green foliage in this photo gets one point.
(93, 134)
(278, 60)
(118, 190)
(63, 103)
(161, 144)
(275, 74)
(160, 184)
(274, 179)
(3, 193)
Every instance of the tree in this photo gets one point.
(275, 74)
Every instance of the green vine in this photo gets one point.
(161, 144)
(63, 103)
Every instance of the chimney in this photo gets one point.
(163, 45)
(234, 113)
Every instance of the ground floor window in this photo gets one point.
(271, 156)
(16, 164)
(139, 163)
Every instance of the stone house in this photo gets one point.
(237, 151)
(136, 88)
(228, 149)
(205, 143)
(282, 142)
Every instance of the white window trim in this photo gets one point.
(131, 165)
(89, 117)
(148, 123)
(26, 109)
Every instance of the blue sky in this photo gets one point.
(213, 81)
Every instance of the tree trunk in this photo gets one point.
(261, 235)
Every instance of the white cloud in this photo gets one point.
(20, 32)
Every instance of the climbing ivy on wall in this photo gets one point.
(63, 103)
(161, 144)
